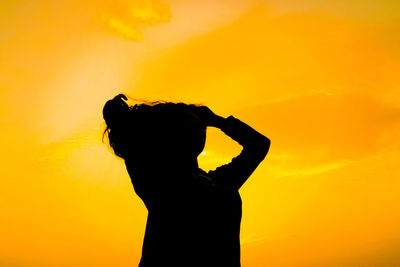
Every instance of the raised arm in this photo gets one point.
(255, 148)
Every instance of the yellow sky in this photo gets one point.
(319, 78)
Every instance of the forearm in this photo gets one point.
(255, 148)
(242, 133)
(246, 136)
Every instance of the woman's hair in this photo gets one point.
(153, 130)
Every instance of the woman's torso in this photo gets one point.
(190, 223)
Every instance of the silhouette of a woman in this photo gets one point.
(193, 216)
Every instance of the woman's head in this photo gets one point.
(152, 131)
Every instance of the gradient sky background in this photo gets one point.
(321, 79)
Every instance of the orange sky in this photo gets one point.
(321, 79)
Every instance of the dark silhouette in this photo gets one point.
(194, 216)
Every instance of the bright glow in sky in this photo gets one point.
(319, 78)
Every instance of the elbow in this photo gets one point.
(260, 147)
(266, 143)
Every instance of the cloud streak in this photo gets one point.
(128, 18)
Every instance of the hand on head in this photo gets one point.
(208, 117)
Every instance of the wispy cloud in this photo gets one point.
(129, 18)
(315, 170)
